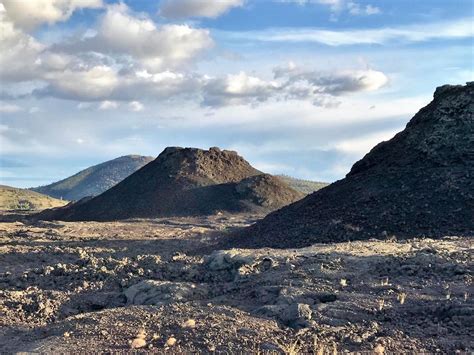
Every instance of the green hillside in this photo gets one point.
(304, 186)
(96, 179)
(12, 198)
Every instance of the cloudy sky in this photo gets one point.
(300, 87)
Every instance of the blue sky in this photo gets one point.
(303, 88)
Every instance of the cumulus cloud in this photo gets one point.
(157, 48)
(96, 83)
(323, 88)
(334, 83)
(197, 8)
(104, 83)
(291, 82)
(130, 58)
(32, 13)
(237, 89)
(18, 51)
(126, 58)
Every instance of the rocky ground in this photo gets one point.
(159, 285)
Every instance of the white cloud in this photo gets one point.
(136, 106)
(95, 83)
(30, 13)
(455, 29)
(108, 105)
(292, 82)
(357, 9)
(9, 108)
(126, 58)
(130, 58)
(308, 83)
(103, 83)
(338, 6)
(157, 48)
(197, 8)
(237, 89)
(18, 51)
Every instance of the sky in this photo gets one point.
(298, 87)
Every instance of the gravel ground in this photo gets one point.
(159, 285)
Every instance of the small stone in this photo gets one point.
(379, 349)
(190, 323)
(67, 334)
(141, 334)
(211, 348)
(171, 341)
(381, 304)
(138, 343)
(402, 297)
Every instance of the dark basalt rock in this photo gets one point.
(419, 183)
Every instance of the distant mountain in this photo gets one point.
(304, 186)
(12, 198)
(420, 183)
(95, 180)
(185, 182)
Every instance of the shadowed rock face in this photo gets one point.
(419, 183)
(185, 182)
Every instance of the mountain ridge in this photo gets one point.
(95, 179)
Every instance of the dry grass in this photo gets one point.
(21, 199)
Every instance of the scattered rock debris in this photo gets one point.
(118, 286)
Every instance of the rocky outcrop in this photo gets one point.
(152, 292)
(419, 183)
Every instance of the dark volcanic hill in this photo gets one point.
(419, 183)
(185, 182)
(96, 179)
